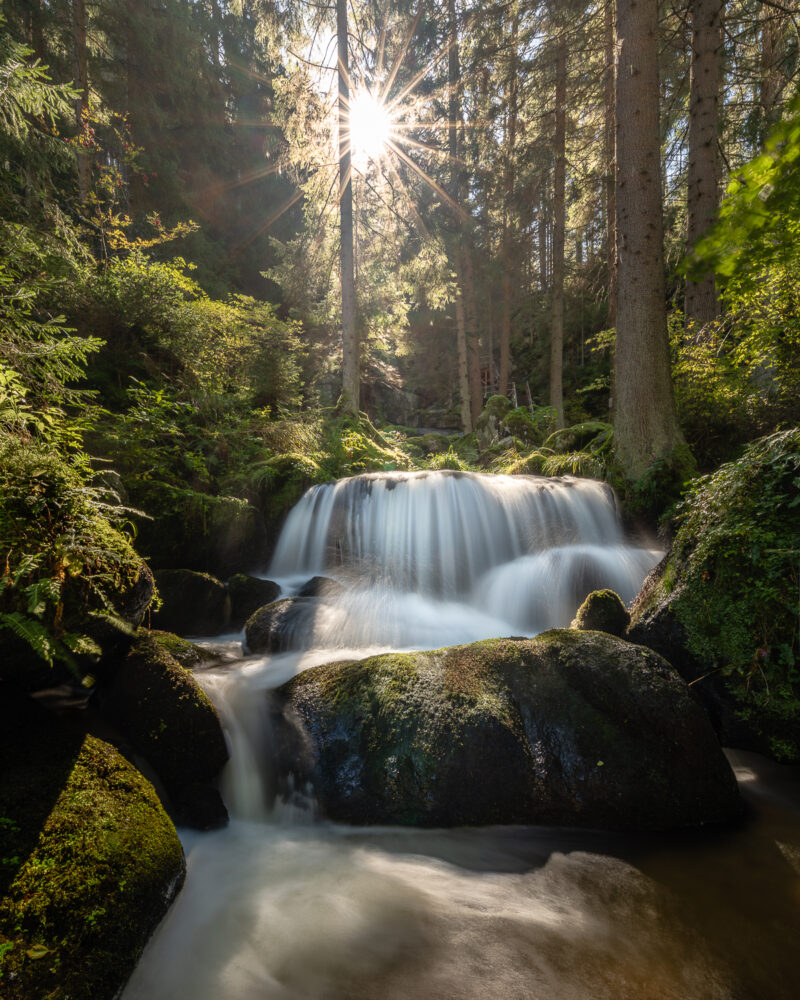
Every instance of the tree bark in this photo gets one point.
(512, 92)
(645, 421)
(701, 306)
(350, 345)
(84, 156)
(559, 225)
(610, 158)
(457, 255)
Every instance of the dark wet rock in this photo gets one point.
(157, 705)
(569, 728)
(90, 860)
(221, 536)
(188, 654)
(282, 625)
(321, 586)
(248, 594)
(192, 603)
(602, 611)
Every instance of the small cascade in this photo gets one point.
(433, 558)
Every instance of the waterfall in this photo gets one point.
(454, 556)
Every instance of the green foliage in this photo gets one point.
(63, 561)
(655, 494)
(741, 375)
(738, 554)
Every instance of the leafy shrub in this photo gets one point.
(738, 556)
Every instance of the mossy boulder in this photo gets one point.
(282, 625)
(579, 436)
(247, 594)
(188, 654)
(489, 427)
(602, 611)
(575, 728)
(89, 860)
(722, 605)
(158, 706)
(192, 603)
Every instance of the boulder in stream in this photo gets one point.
(89, 860)
(192, 603)
(159, 707)
(602, 611)
(569, 728)
(248, 594)
(282, 625)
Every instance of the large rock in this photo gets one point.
(192, 603)
(576, 728)
(282, 625)
(89, 860)
(722, 605)
(159, 707)
(602, 611)
(248, 594)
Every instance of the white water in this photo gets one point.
(283, 906)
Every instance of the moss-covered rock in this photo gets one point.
(248, 594)
(192, 603)
(722, 605)
(89, 861)
(571, 727)
(602, 611)
(282, 625)
(188, 654)
(489, 426)
(159, 707)
(588, 435)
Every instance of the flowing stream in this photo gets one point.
(284, 905)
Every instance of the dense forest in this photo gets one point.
(250, 247)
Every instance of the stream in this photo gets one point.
(283, 905)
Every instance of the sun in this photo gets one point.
(370, 128)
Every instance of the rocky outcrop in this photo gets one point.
(247, 594)
(321, 586)
(157, 705)
(576, 728)
(192, 603)
(602, 611)
(90, 861)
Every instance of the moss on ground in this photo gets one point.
(88, 866)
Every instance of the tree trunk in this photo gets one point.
(559, 225)
(84, 155)
(512, 92)
(610, 180)
(472, 334)
(645, 422)
(456, 250)
(704, 175)
(773, 25)
(350, 346)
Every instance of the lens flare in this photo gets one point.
(370, 128)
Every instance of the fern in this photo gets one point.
(33, 632)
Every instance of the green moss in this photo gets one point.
(96, 862)
(602, 611)
(186, 653)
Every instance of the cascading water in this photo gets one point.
(446, 557)
(282, 906)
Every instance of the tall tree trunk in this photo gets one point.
(454, 114)
(701, 305)
(467, 272)
(350, 346)
(559, 225)
(645, 421)
(610, 158)
(542, 240)
(84, 155)
(512, 92)
(773, 25)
